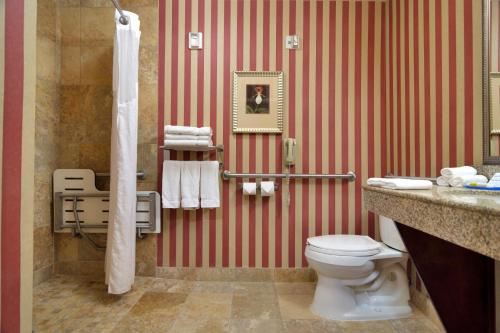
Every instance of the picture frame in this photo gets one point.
(494, 103)
(258, 102)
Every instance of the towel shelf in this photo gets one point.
(350, 176)
(218, 148)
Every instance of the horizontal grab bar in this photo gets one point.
(350, 176)
(140, 174)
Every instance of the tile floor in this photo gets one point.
(72, 304)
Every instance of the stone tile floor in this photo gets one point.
(72, 304)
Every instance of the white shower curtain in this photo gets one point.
(120, 251)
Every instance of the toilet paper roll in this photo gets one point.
(267, 189)
(249, 188)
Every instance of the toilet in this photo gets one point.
(358, 277)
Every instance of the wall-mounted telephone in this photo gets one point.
(289, 151)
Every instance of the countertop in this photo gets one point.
(468, 218)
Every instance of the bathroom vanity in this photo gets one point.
(453, 236)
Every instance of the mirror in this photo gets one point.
(491, 81)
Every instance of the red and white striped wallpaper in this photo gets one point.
(335, 107)
(356, 98)
(435, 80)
(494, 61)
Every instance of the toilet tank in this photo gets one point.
(389, 234)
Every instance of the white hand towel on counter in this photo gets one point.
(460, 181)
(187, 130)
(187, 137)
(188, 143)
(400, 183)
(209, 186)
(171, 184)
(443, 181)
(267, 189)
(190, 184)
(460, 171)
(249, 188)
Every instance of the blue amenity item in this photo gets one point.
(479, 187)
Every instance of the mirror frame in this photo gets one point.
(487, 158)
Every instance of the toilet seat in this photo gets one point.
(318, 255)
(345, 245)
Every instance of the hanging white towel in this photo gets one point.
(187, 130)
(464, 180)
(209, 187)
(400, 183)
(460, 171)
(267, 189)
(187, 137)
(190, 184)
(171, 184)
(120, 249)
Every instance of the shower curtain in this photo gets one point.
(120, 251)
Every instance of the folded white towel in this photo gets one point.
(209, 186)
(267, 189)
(187, 130)
(171, 184)
(190, 184)
(460, 171)
(188, 143)
(460, 181)
(249, 188)
(187, 137)
(443, 181)
(400, 183)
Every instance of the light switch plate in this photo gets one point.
(292, 42)
(195, 40)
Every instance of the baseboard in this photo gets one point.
(238, 274)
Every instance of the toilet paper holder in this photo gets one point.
(276, 186)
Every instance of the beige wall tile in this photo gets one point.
(70, 26)
(66, 247)
(94, 156)
(148, 65)
(45, 20)
(148, 113)
(70, 64)
(46, 59)
(149, 23)
(42, 247)
(97, 65)
(98, 26)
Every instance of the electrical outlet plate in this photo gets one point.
(195, 40)
(292, 42)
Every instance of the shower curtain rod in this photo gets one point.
(123, 18)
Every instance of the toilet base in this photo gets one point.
(384, 298)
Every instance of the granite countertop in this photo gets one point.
(468, 218)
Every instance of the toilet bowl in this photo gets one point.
(358, 277)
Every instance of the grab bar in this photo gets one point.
(350, 176)
(141, 174)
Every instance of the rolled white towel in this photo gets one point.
(188, 143)
(375, 181)
(460, 181)
(400, 183)
(187, 130)
(460, 171)
(187, 137)
(443, 181)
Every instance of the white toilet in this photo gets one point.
(358, 277)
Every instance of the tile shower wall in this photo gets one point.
(87, 31)
(46, 130)
(334, 106)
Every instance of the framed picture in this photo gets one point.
(257, 102)
(495, 103)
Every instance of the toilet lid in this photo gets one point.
(346, 245)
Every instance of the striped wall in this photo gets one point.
(335, 107)
(434, 95)
(17, 87)
(494, 60)
(435, 80)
